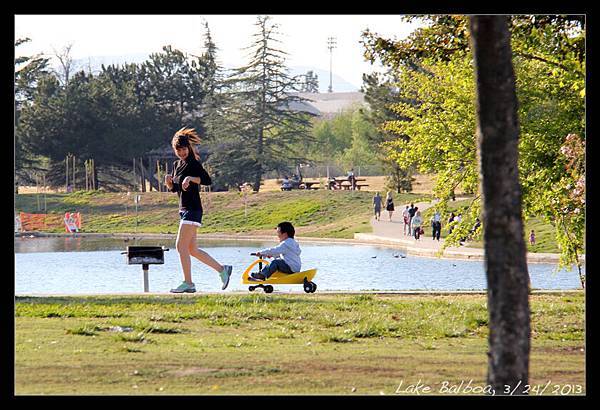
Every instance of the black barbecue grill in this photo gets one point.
(145, 255)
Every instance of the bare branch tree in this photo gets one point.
(66, 63)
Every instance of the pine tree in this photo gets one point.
(29, 71)
(266, 117)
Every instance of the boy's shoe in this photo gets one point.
(255, 277)
(184, 288)
(225, 275)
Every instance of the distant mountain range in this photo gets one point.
(94, 63)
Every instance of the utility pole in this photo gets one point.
(331, 44)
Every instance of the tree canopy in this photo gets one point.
(436, 128)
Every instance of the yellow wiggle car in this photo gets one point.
(279, 278)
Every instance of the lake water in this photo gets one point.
(84, 265)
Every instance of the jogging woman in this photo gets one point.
(188, 174)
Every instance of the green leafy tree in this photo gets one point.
(331, 137)
(434, 68)
(381, 93)
(360, 152)
(175, 83)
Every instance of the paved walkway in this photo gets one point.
(391, 233)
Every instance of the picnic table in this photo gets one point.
(343, 183)
(309, 184)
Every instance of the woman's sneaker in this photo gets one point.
(184, 288)
(225, 275)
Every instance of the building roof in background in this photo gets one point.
(304, 106)
(329, 104)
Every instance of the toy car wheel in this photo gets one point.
(313, 287)
(268, 289)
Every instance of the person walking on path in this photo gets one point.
(389, 204)
(436, 226)
(406, 218)
(416, 223)
(377, 206)
(532, 238)
(412, 230)
(187, 175)
(450, 220)
(411, 214)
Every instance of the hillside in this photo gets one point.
(321, 213)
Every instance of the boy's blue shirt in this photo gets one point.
(289, 250)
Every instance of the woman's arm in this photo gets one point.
(186, 181)
(204, 177)
(174, 186)
(200, 176)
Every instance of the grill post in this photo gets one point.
(145, 268)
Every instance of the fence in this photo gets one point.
(26, 222)
(32, 222)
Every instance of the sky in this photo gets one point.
(304, 37)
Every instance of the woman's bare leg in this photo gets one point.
(203, 256)
(184, 237)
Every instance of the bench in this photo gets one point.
(347, 186)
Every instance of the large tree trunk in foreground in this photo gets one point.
(505, 251)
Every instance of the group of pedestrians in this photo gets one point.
(411, 215)
(412, 218)
(413, 222)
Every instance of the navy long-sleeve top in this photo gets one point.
(189, 200)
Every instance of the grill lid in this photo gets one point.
(138, 255)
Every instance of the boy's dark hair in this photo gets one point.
(287, 227)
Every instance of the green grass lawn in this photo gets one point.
(277, 344)
(323, 213)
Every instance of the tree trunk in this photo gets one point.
(259, 157)
(151, 172)
(505, 251)
(67, 173)
(94, 175)
(142, 175)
